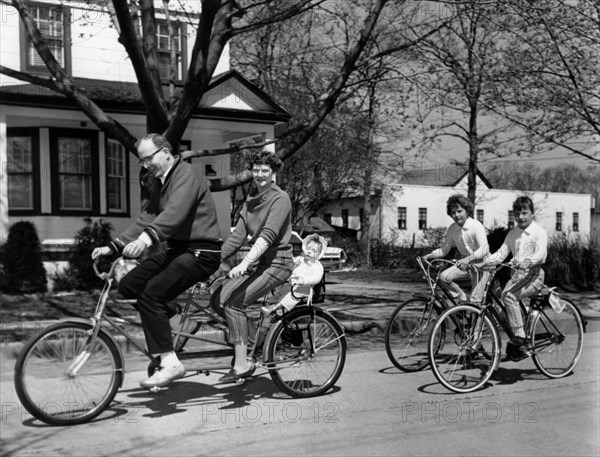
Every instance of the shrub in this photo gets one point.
(64, 280)
(93, 235)
(22, 259)
(572, 262)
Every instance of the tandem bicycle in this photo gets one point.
(70, 372)
(465, 346)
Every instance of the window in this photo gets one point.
(345, 218)
(575, 222)
(75, 165)
(480, 215)
(559, 222)
(164, 46)
(53, 23)
(327, 218)
(402, 217)
(422, 218)
(116, 177)
(21, 171)
(511, 219)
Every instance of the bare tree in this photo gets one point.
(550, 88)
(218, 22)
(449, 81)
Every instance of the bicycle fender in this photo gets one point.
(299, 310)
(81, 320)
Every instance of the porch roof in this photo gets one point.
(125, 97)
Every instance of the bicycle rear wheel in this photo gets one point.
(306, 352)
(557, 340)
(464, 349)
(407, 334)
(62, 378)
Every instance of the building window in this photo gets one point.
(75, 165)
(21, 171)
(164, 46)
(327, 218)
(53, 23)
(559, 222)
(480, 215)
(116, 177)
(361, 216)
(422, 218)
(402, 217)
(511, 219)
(575, 222)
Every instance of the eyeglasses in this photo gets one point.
(146, 160)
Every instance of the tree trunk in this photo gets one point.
(473, 150)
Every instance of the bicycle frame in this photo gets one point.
(192, 307)
(538, 304)
(437, 294)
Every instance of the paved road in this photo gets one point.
(374, 410)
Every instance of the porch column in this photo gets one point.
(3, 180)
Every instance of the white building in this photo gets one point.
(57, 166)
(400, 213)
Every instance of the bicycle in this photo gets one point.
(465, 346)
(410, 324)
(71, 371)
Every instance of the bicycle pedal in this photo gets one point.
(154, 389)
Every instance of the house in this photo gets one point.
(402, 212)
(58, 167)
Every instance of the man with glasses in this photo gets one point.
(180, 211)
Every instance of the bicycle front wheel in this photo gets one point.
(407, 334)
(306, 352)
(464, 349)
(64, 378)
(557, 340)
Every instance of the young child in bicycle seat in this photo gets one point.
(307, 273)
(468, 236)
(528, 243)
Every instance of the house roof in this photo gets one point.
(125, 97)
(317, 225)
(444, 176)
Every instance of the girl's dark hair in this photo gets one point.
(459, 200)
(523, 202)
(263, 157)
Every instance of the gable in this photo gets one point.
(231, 90)
(229, 95)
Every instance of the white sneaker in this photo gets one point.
(163, 376)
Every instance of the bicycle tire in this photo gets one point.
(407, 334)
(557, 340)
(462, 358)
(295, 369)
(43, 384)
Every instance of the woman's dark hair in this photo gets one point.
(459, 200)
(263, 157)
(523, 202)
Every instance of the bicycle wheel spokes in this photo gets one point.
(63, 379)
(463, 349)
(557, 340)
(407, 334)
(307, 355)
